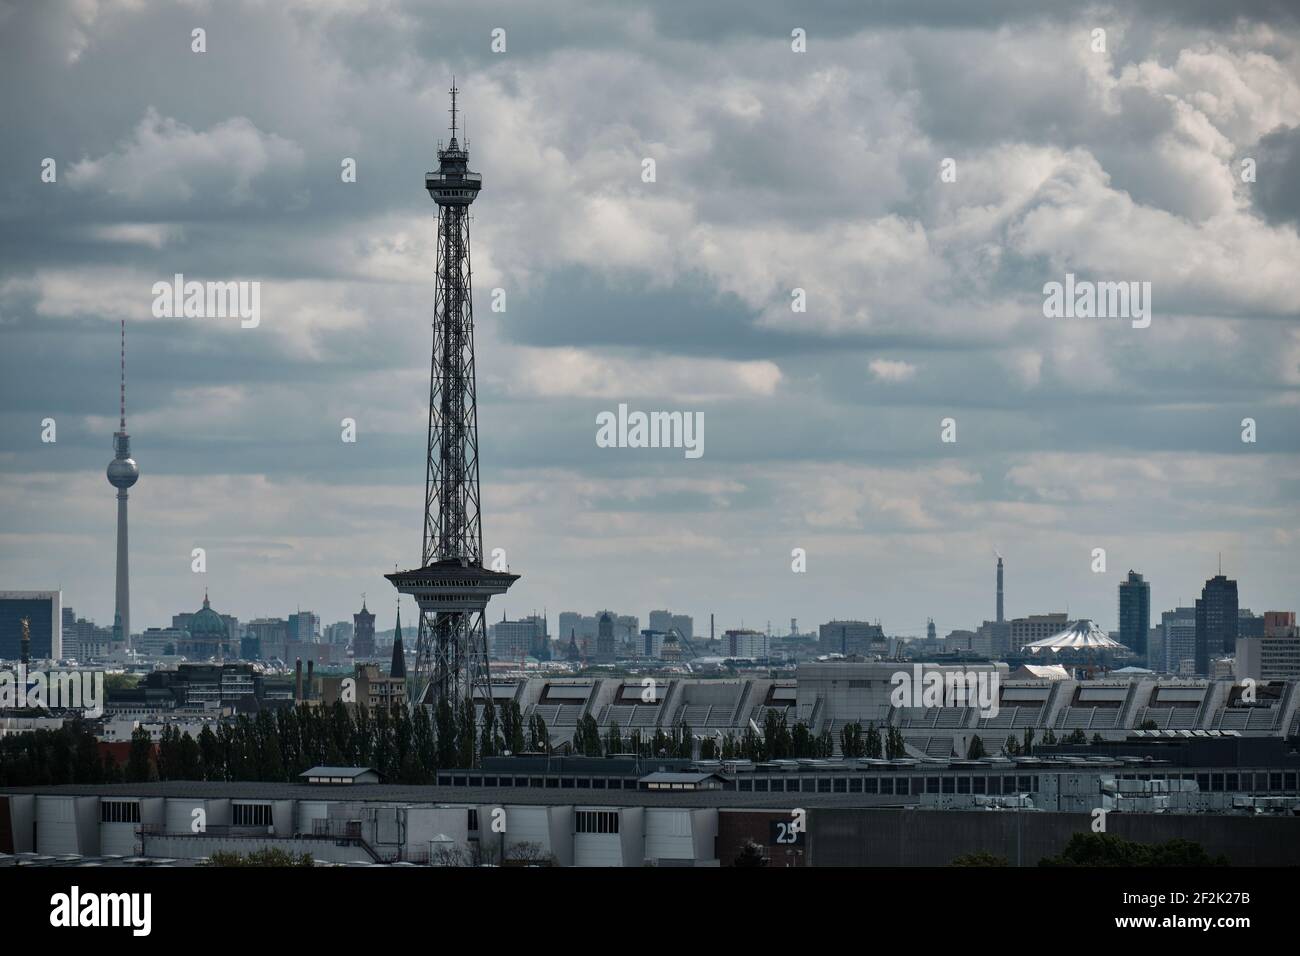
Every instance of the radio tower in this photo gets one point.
(123, 472)
(451, 586)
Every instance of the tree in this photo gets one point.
(525, 853)
(1105, 849)
(895, 746)
(750, 855)
(982, 858)
(586, 737)
(851, 741)
(272, 856)
(139, 764)
(976, 749)
(1012, 746)
(1029, 741)
(614, 739)
(466, 734)
(444, 722)
(211, 759)
(871, 744)
(1097, 740)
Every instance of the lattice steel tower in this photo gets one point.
(451, 586)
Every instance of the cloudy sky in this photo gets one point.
(775, 170)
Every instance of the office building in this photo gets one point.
(850, 637)
(1135, 614)
(44, 613)
(1216, 622)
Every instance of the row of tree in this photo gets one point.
(410, 746)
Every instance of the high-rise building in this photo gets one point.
(339, 632)
(304, 627)
(605, 638)
(1248, 624)
(745, 644)
(269, 636)
(1273, 654)
(1279, 623)
(123, 472)
(515, 640)
(1036, 627)
(1179, 627)
(44, 611)
(1216, 622)
(363, 633)
(1135, 614)
(850, 637)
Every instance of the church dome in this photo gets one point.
(207, 623)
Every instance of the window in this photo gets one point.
(119, 811)
(251, 814)
(596, 821)
(472, 818)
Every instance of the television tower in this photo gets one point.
(451, 586)
(123, 472)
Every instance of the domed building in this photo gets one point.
(208, 634)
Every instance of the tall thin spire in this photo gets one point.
(398, 666)
(122, 424)
(454, 91)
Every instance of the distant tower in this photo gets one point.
(1000, 616)
(930, 633)
(25, 653)
(451, 586)
(605, 638)
(123, 472)
(363, 633)
(398, 667)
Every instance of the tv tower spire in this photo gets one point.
(451, 586)
(123, 472)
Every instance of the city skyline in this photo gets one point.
(924, 302)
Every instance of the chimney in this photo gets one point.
(311, 669)
(1000, 617)
(297, 682)
(26, 655)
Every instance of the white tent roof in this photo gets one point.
(1039, 672)
(1080, 635)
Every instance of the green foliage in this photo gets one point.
(67, 755)
(976, 749)
(1105, 849)
(269, 857)
(751, 854)
(982, 858)
(139, 764)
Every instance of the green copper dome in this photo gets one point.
(208, 623)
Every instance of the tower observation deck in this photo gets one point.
(451, 586)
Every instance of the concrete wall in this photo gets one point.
(842, 837)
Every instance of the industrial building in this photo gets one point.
(1234, 796)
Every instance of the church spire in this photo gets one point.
(398, 667)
